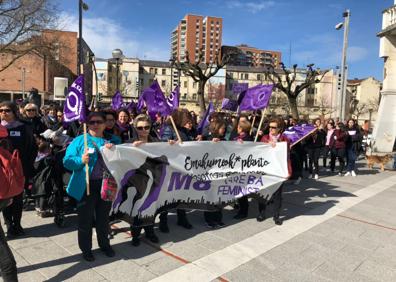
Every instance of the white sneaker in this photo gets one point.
(297, 181)
(316, 176)
(353, 173)
(339, 174)
(347, 174)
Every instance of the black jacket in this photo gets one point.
(22, 138)
(354, 139)
(36, 124)
(316, 140)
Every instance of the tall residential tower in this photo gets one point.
(194, 33)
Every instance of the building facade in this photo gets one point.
(384, 132)
(39, 70)
(194, 33)
(244, 55)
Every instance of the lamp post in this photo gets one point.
(81, 6)
(342, 96)
(117, 55)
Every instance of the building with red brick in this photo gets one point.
(194, 33)
(37, 70)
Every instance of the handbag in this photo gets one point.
(108, 191)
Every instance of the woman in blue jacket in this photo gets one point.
(90, 206)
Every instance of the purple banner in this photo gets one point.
(74, 108)
(255, 98)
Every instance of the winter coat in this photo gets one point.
(316, 140)
(338, 139)
(354, 139)
(72, 161)
(22, 138)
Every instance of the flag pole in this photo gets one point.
(85, 143)
(254, 120)
(263, 112)
(312, 131)
(175, 129)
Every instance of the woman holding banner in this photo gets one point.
(142, 125)
(243, 130)
(184, 125)
(275, 135)
(90, 204)
(217, 131)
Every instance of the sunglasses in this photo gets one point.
(30, 110)
(93, 122)
(5, 110)
(59, 116)
(147, 127)
(273, 127)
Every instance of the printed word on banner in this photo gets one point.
(199, 175)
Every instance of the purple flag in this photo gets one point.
(74, 108)
(173, 98)
(140, 104)
(205, 119)
(298, 132)
(117, 101)
(156, 101)
(255, 98)
(229, 105)
(130, 106)
(239, 87)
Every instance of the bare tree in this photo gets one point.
(21, 24)
(289, 85)
(201, 72)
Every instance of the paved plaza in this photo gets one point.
(335, 229)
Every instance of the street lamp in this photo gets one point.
(117, 55)
(342, 96)
(81, 6)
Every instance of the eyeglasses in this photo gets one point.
(30, 110)
(93, 122)
(5, 110)
(59, 116)
(273, 127)
(147, 127)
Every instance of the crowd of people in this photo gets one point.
(53, 157)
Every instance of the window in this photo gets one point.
(155, 71)
(152, 71)
(258, 76)
(241, 75)
(195, 85)
(185, 84)
(141, 70)
(246, 76)
(194, 96)
(163, 83)
(185, 96)
(163, 71)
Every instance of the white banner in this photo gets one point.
(157, 176)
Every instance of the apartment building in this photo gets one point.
(194, 33)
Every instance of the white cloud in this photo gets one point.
(252, 7)
(104, 35)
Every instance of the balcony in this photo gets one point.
(388, 22)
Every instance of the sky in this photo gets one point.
(305, 27)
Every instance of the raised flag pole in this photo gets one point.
(263, 112)
(175, 129)
(302, 138)
(85, 144)
(254, 120)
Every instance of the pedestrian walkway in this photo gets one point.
(335, 229)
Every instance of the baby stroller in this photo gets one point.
(50, 178)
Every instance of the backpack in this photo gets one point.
(12, 178)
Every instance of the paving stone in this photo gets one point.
(162, 265)
(289, 272)
(376, 271)
(215, 244)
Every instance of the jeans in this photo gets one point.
(92, 208)
(7, 262)
(351, 159)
